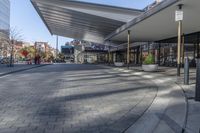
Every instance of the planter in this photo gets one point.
(150, 68)
(119, 64)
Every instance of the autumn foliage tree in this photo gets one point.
(28, 52)
(24, 53)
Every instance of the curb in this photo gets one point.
(21, 70)
(187, 109)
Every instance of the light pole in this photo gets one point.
(179, 18)
(56, 47)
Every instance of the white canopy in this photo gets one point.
(159, 22)
(80, 20)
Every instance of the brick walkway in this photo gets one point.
(72, 99)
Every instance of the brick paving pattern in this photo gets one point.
(72, 99)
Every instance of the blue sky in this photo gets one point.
(26, 20)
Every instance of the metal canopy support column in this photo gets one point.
(194, 53)
(141, 55)
(159, 54)
(183, 50)
(179, 44)
(179, 47)
(128, 49)
(109, 57)
(138, 55)
(116, 56)
(197, 91)
(198, 50)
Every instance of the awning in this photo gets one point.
(159, 22)
(83, 21)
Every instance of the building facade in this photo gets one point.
(67, 51)
(4, 18)
(88, 52)
(4, 26)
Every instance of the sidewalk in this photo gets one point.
(193, 107)
(174, 109)
(5, 70)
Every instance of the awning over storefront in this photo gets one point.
(83, 21)
(159, 23)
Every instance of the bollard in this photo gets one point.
(197, 93)
(186, 71)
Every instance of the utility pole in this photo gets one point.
(56, 47)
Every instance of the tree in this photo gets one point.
(28, 52)
(61, 56)
(24, 52)
(14, 35)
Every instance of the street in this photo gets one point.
(72, 98)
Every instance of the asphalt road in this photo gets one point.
(72, 98)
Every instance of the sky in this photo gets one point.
(25, 19)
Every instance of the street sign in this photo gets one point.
(178, 15)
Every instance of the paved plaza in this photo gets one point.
(72, 98)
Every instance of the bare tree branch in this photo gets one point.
(14, 36)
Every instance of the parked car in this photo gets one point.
(6, 60)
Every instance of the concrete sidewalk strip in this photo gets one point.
(193, 118)
(167, 114)
(163, 111)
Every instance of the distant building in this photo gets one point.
(45, 50)
(40, 47)
(88, 52)
(54, 52)
(4, 18)
(156, 2)
(67, 51)
(20, 44)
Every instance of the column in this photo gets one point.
(183, 50)
(141, 54)
(179, 42)
(128, 49)
(194, 54)
(197, 90)
(179, 48)
(198, 50)
(138, 55)
(159, 46)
